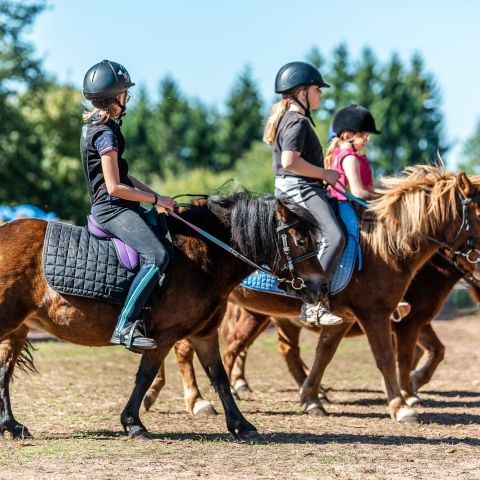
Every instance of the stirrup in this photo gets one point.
(133, 339)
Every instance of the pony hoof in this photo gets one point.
(414, 381)
(250, 436)
(204, 407)
(234, 393)
(241, 385)
(148, 401)
(413, 400)
(315, 409)
(138, 433)
(323, 396)
(18, 432)
(407, 415)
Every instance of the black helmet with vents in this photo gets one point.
(294, 74)
(105, 80)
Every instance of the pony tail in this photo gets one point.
(103, 114)
(278, 111)
(328, 156)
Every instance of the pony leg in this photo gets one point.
(194, 401)
(406, 335)
(418, 355)
(149, 367)
(435, 351)
(237, 377)
(10, 349)
(378, 330)
(288, 345)
(327, 345)
(155, 388)
(208, 352)
(248, 327)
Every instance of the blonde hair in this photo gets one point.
(276, 114)
(328, 156)
(334, 144)
(104, 115)
(104, 109)
(278, 111)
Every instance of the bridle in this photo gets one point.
(472, 255)
(296, 282)
(466, 275)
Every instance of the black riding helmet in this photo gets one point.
(355, 118)
(106, 80)
(294, 74)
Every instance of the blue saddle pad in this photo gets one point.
(344, 271)
(262, 282)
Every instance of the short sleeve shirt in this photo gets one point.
(295, 133)
(106, 142)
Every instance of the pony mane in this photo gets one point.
(422, 199)
(253, 222)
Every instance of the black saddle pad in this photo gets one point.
(77, 263)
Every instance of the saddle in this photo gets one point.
(89, 262)
(127, 256)
(351, 256)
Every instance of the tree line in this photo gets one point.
(181, 144)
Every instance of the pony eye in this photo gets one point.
(301, 242)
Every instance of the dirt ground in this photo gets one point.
(72, 408)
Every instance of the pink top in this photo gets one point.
(365, 171)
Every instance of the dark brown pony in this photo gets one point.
(192, 306)
(414, 215)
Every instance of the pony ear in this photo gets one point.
(283, 213)
(464, 184)
(220, 207)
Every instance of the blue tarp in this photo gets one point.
(24, 211)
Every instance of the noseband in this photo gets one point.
(296, 282)
(472, 255)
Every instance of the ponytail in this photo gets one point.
(328, 156)
(276, 114)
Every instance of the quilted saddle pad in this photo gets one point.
(77, 263)
(260, 281)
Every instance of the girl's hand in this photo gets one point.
(168, 203)
(331, 176)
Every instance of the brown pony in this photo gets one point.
(241, 326)
(191, 307)
(414, 335)
(401, 231)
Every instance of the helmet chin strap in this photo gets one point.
(123, 111)
(306, 107)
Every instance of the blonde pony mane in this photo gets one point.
(421, 200)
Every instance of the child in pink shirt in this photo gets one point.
(352, 126)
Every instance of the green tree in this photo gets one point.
(53, 116)
(139, 139)
(340, 75)
(470, 161)
(409, 116)
(243, 121)
(19, 70)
